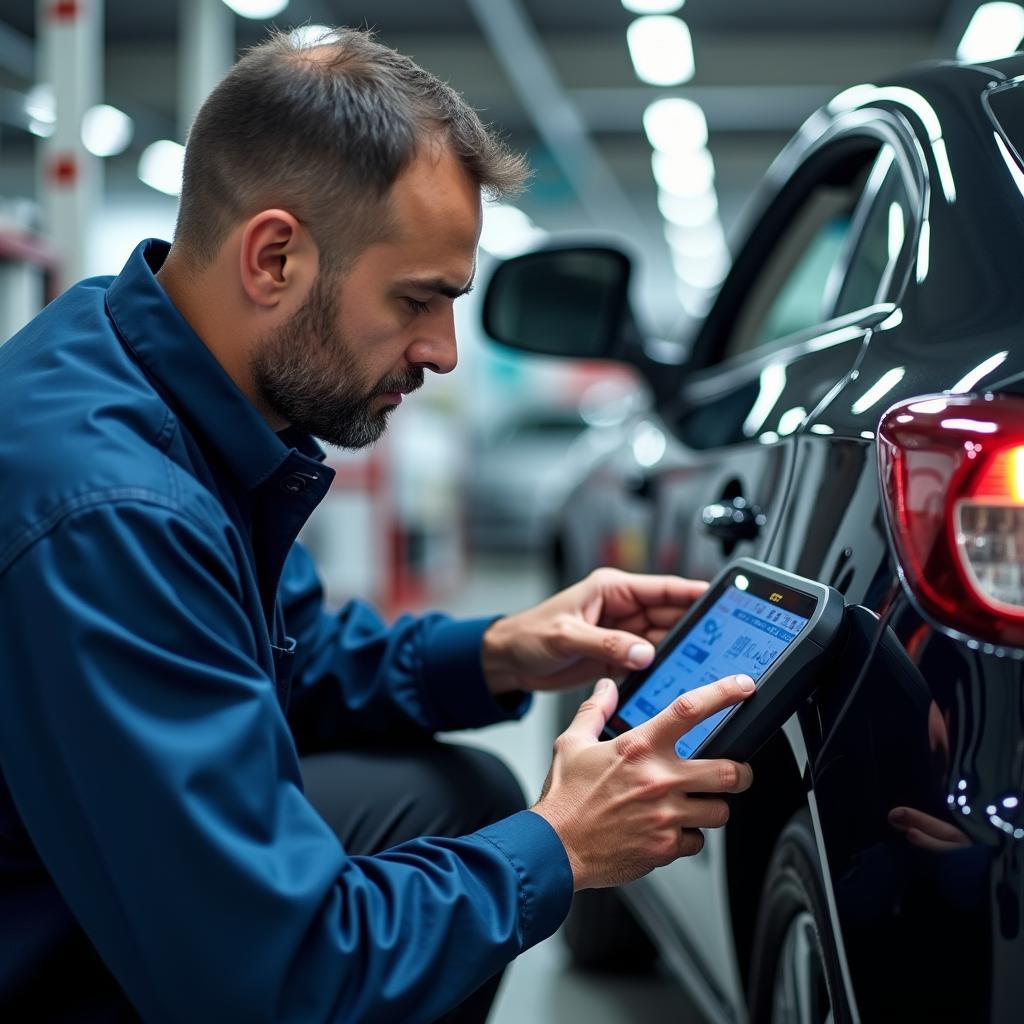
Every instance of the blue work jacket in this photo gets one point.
(164, 657)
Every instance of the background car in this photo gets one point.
(850, 409)
(522, 465)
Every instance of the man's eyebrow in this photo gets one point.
(438, 285)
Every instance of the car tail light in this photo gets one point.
(952, 477)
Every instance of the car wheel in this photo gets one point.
(795, 976)
(602, 935)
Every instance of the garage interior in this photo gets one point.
(452, 510)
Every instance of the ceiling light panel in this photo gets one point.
(689, 174)
(258, 10)
(161, 164)
(688, 211)
(675, 125)
(661, 49)
(995, 30)
(106, 131)
(652, 6)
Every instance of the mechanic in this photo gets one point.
(165, 656)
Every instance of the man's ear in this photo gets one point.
(278, 259)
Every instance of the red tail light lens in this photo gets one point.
(952, 478)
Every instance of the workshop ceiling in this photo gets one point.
(761, 69)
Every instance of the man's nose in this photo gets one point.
(434, 347)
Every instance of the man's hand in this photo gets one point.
(626, 806)
(926, 831)
(606, 624)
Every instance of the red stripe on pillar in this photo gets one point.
(64, 10)
(63, 170)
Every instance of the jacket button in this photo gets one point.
(294, 483)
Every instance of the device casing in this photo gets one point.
(788, 681)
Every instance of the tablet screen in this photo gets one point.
(740, 632)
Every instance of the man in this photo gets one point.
(164, 654)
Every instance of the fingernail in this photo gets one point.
(640, 655)
(897, 814)
(745, 683)
(602, 687)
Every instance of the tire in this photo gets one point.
(602, 935)
(795, 975)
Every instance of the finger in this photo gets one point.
(718, 776)
(646, 619)
(926, 842)
(625, 592)
(664, 729)
(691, 842)
(608, 646)
(594, 712)
(905, 818)
(703, 812)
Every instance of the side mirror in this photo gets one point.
(560, 302)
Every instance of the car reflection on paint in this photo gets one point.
(871, 438)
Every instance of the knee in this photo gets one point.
(488, 789)
(500, 784)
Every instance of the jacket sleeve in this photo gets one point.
(357, 677)
(154, 771)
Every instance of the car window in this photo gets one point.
(1006, 104)
(885, 220)
(796, 285)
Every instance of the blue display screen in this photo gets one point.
(740, 632)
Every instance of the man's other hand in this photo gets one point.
(626, 806)
(607, 624)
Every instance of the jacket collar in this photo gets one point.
(198, 387)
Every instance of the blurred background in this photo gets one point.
(648, 120)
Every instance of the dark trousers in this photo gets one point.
(425, 789)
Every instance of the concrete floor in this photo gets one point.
(541, 987)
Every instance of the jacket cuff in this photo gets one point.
(454, 683)
(545, 878)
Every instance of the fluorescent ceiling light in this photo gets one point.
(160, 166)
(652, 6)
(258, 10)
(41, 108)
(995, 31)
(688, 211)
(312, 35)
(661, 49)
(507, 231)
(675, 126)
(707, 240)
(690, 174)
(705, 272)
(40, 104)
(106, 131)
(696, 302)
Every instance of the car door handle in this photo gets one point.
(735, 519)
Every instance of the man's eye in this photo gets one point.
(416, 306)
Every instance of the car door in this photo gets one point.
(786, 330)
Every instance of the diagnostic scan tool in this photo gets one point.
(754, 619)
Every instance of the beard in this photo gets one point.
(307, 372)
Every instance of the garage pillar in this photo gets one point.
(206, 37)
(69, 37)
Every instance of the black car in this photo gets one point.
(873, 440)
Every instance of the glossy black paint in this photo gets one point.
(908, 717)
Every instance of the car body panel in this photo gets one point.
(907, 715)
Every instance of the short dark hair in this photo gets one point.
(323, 131)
